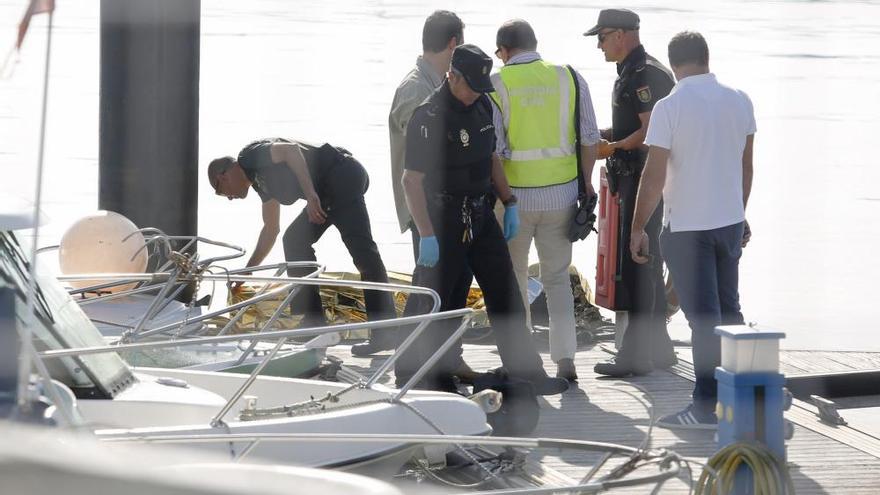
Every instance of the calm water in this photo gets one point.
(326, 71)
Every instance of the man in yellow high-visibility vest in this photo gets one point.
(537, 138)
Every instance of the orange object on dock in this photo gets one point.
(606, 256)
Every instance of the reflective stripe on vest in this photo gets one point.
(537, 106)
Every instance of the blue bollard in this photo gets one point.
(751, 397)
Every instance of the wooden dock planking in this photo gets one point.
(598, 410)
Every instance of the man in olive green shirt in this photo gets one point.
(443, 31)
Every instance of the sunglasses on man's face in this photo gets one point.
(603, 36)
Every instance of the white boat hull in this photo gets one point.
(49, 461)
(150, 409)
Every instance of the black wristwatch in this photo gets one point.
(511, 201)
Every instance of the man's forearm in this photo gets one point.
(637, 139)
(264, 244)
(747, 186)
(292, 155)
(416, 202)
(633, 141)
(305, 180)
(748, 170)
(499, 179)
(650, 187)
(588, 161)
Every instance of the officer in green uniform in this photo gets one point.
(451, 178)
(641, 82)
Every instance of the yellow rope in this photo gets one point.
(770, 474)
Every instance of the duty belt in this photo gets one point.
(622, 167)
(468, 204)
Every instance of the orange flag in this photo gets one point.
(34, 7)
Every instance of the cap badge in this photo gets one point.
(465, 138)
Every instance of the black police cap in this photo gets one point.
(475, 66)
(616, 19)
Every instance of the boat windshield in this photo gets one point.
(60, 324)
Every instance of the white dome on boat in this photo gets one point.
(104, 242)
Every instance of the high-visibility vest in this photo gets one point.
(537, 102)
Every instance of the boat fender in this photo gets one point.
(489, 400)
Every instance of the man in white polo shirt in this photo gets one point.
(700, 161)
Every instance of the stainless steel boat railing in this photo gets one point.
(165, 279)
(421, 322)
(669, 462)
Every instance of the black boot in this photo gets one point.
(549, 386)
(665, 360)
(565, 369)
(621, 367)
(371, 346)
(381, 339)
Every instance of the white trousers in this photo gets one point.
(549, 229)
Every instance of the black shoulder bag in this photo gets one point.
(584, 218)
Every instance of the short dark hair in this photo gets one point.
(516, 34)
(440, 27)
(217, 167)
(688, 47)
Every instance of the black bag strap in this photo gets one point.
(577, 129)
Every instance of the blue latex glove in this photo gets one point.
(511, 222)
(429, 251)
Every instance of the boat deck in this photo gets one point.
(822, 458)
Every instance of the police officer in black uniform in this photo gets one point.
(641, 82)
(451, 179)
(333, 184)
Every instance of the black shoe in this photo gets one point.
(549, 386)
(371, 346)
(621, 368)
(465, 373)
(445, 383)
(565, 369)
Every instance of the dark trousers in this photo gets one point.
(348, 213)
(705, 266)
(420, 304)
(486, 256)
(641, 288)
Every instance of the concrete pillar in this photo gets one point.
(149, 112)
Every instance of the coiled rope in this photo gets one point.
(770, 474)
